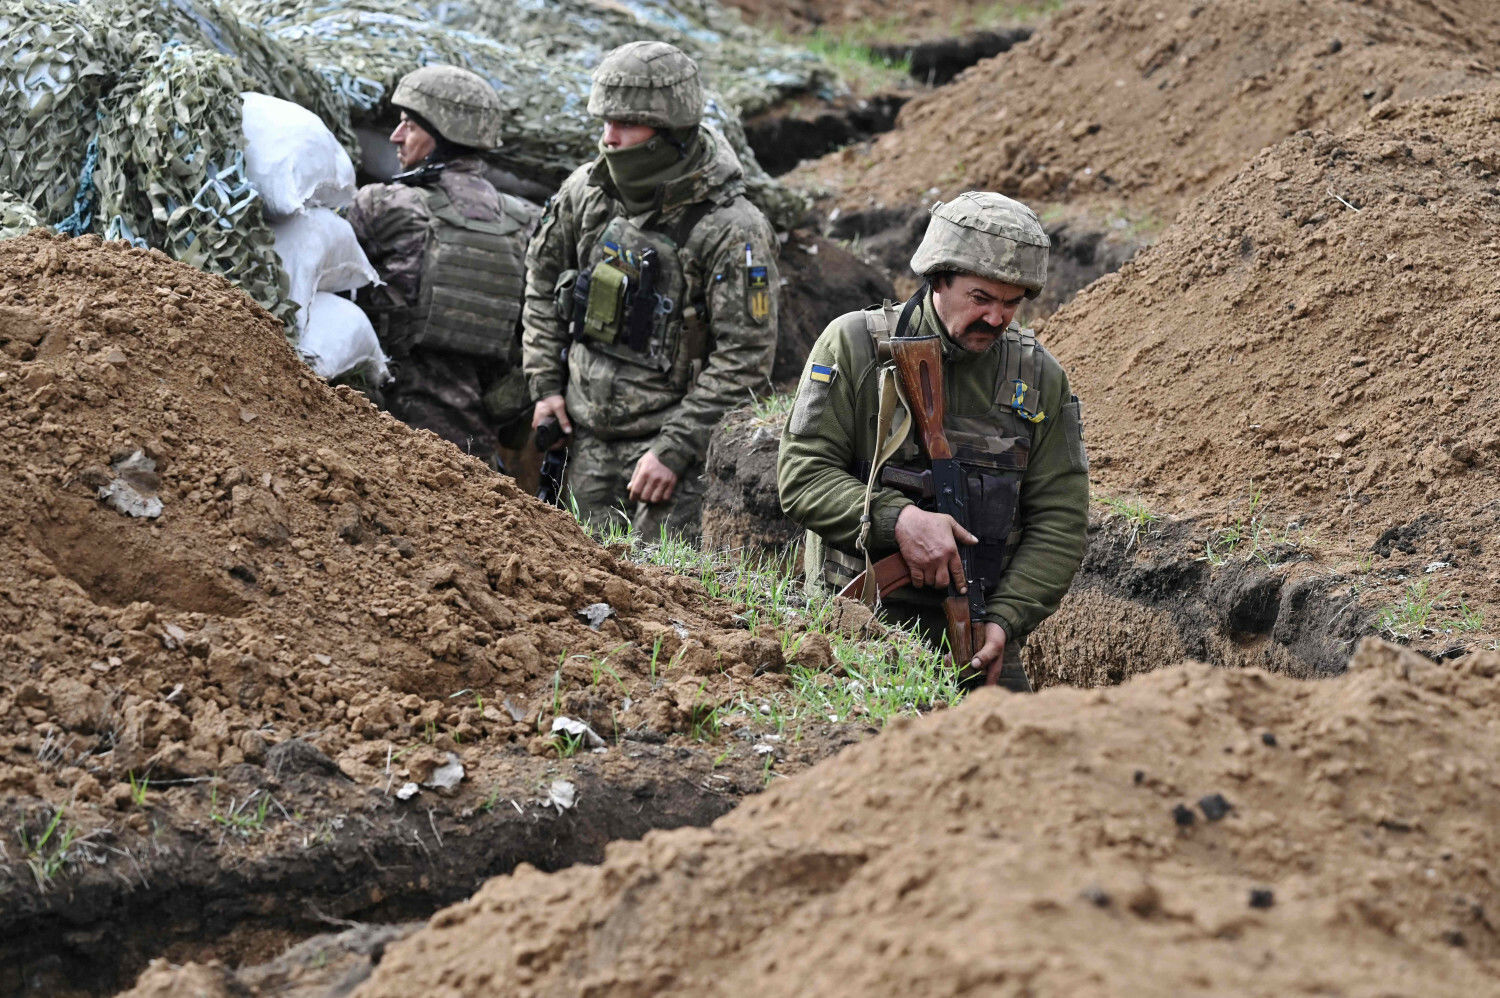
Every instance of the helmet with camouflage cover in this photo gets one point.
(459, 104)
(988, 235)
(648, 83)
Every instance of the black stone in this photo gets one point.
(1214, 806)
(1183, 815)
(1261, 897)
(1268, 739)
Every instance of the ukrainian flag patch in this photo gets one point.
(822, 375)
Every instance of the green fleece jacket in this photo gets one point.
(832, 431)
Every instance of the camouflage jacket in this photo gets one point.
(831, 435)
(392, 223)
(729, 263)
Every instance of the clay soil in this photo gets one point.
(1317, 332)
(1140, 105)
(1197, 830)
(329, 606)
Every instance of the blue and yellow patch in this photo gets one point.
(822, 375)
(757, 291)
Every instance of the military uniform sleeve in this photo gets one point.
(742, 290)
(1054, 519)
(391, 223)
(818, 447)
(552, 250)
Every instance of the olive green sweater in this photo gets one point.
(832, 431)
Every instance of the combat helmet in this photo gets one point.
(648, 83)
(988, 235)
(463, 108)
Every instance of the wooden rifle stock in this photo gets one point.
(919, 364)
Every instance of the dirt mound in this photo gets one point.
(1149, 103)
(1197, 829)
(1318, 332)
(316, 569)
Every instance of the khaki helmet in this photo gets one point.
(648, 83)
(460, 105)
(988, 235)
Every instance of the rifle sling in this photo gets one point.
(891, 392)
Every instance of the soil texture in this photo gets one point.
(1312, 345)
(1194, 830)
(214, 562)
(1148, 103)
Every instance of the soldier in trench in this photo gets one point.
(651, 296)
(450, 250)
(1012, 420)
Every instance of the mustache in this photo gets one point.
(980, 326)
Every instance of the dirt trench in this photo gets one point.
(330, 852)
(1142, 599)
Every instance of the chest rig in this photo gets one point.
(991, 441)
(638, 298)
(472, 286)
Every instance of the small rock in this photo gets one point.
(407, 791)
(448, 775)
(595, 614)
(1140, 777)
(1214, 807)
(1268, 739)
(1096, 896)
(561, 795)
(1261, 897)
(1183, 815)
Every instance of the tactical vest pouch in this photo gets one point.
(562, 296)
(606, 303)
(472, 285)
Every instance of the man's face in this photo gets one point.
(976, 310)
(413, 142)
(620, 135)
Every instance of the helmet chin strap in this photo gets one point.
(904, 322)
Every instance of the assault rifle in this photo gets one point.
(919, 365)
(553, 461)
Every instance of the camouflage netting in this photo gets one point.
(123, 119)
(180, 112)
(51, 78)
(17, 217)
(362, 47)
(735, 59)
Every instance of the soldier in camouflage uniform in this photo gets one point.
(651, 296)
(1012, 421)
(450, 249)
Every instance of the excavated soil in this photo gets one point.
(1317, 331)
(1197, 830)
(1147, 103)
(329, 606)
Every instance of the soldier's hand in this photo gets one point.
(991, 651)
(551, 407)
(652, 481)
(929, 543)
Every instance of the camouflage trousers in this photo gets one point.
(443, 392)
(598, 481)
(933, 626)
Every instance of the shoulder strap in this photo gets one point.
(1021, 390)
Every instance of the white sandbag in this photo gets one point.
(292, 158)
(319, 252)
(340, 340)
